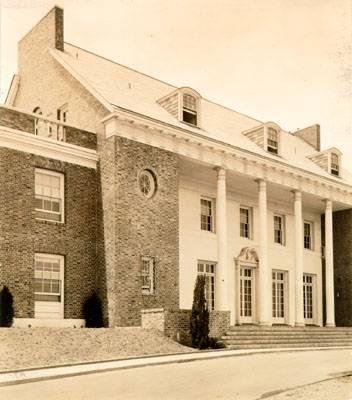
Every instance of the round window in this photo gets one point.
(146, 182)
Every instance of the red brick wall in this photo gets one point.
(175, 323)
(343, 267)
(22, 236)
(136, 226)
(25, 122)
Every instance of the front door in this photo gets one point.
(279, 296)
(308, 296)
(247, 291)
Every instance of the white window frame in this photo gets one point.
(212, 209)
(281, 319)
(335, 168)
(283, 229)
(53, 257)
(188, 110)
(250, 222)
(62, 194)
(208, 276)
(311, 235)
(274, 144)
(150, 288)
(312, 284)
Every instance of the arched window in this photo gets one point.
(334, 164)
(189, 109)
(273, 141)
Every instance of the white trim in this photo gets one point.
(284, 319)
(197, 146)
(48, 323)
(48, 148)
(213, 211)
(61, 177)
(61, 260)
(12, 93)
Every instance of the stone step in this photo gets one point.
(317, 335)
(281, 328)
(285, 346)
(292, 341)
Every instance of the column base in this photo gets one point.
(265, 323)
(329, 325)
(300, 324)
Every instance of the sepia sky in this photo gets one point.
(287, 61)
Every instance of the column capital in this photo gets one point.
(261, 184)
(328, 203)
(297, 194)
(221, 172)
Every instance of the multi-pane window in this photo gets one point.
(334, 164)
(279, 229)
(189, 109)
(308, 235)
(207, 214)
(208, 270)
(273, 141)
(308, 296)
(49, 195)
(246, 292)
(48, 275)
(148, 275)
(245, 222)
(278, 293)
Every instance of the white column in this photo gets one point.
(264, 273)
(329, 266)
(299, 320)
(221, 277)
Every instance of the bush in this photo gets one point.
(215, 343)
(93, 311)
(199, 326)
(6, 307)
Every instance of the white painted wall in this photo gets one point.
(196, 244)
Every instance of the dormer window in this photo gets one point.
(334, 164)
(273, 141)
(189, 109)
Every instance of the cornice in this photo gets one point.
(217, 153)
(29, 143)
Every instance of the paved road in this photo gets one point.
(239, 378)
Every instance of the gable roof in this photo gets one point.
(118, 86)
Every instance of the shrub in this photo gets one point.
(215, 343)
(199, 326)
(93, 311)
(6, 307)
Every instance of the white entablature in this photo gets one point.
(217, 153)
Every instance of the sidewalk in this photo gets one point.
(31, 375)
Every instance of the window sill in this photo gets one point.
(48, 221)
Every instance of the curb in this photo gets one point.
(64, 371)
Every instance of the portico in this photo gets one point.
(261, 281)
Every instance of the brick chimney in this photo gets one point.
(311, 135)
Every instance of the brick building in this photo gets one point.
(117, 182)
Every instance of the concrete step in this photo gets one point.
(288, 335)
(281, 328)
(293, 341)
(284, 346)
